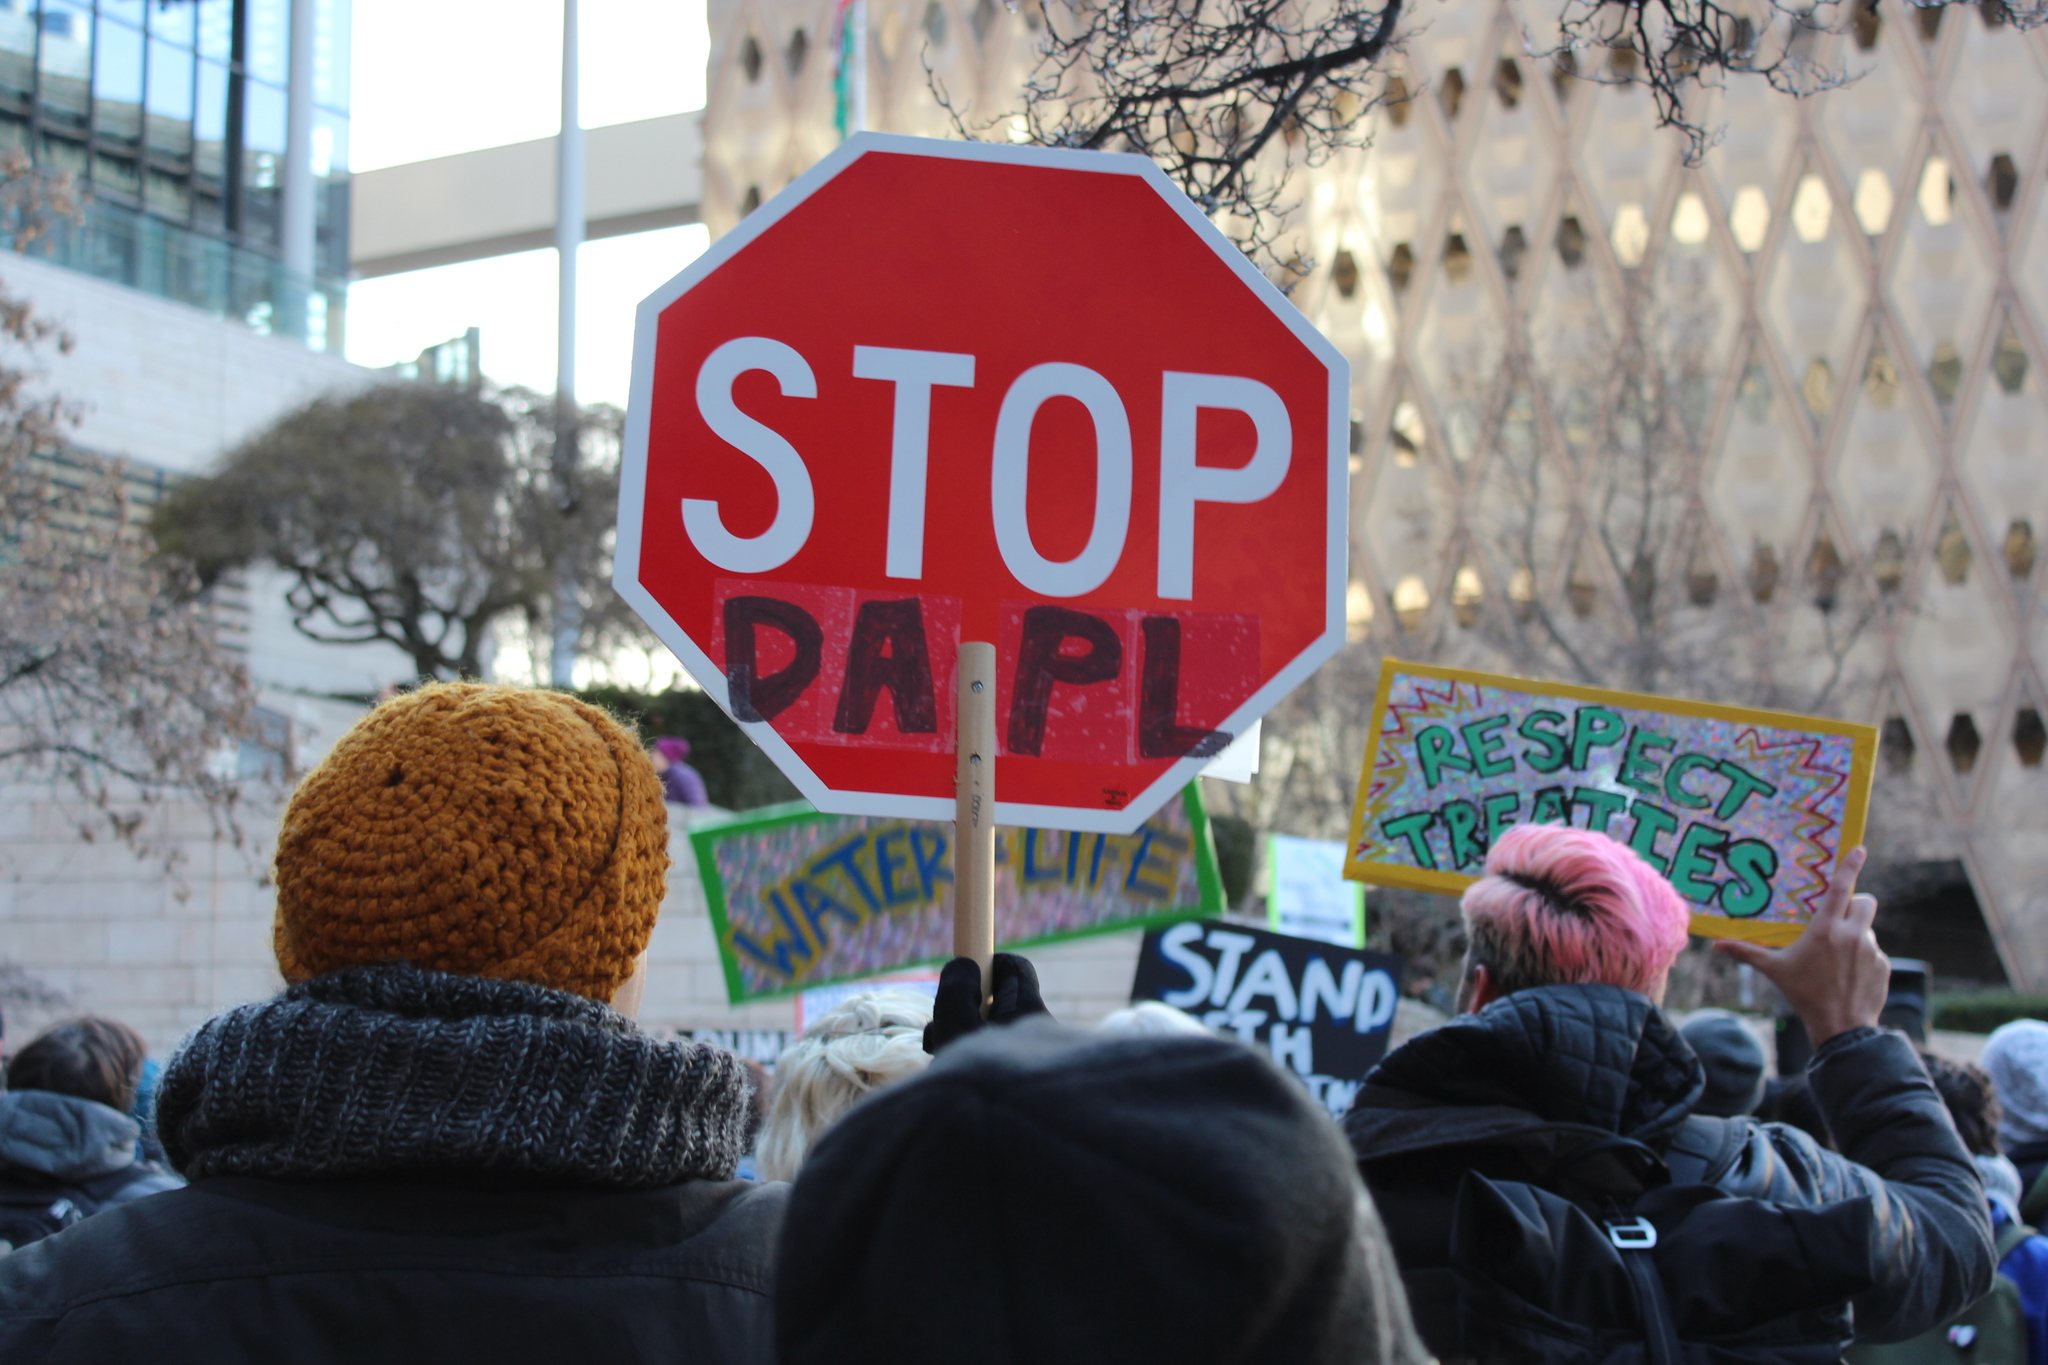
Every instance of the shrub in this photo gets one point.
(1983, 1011)
(737, 775)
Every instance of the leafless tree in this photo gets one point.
(1596, 531)
(416, 514)
(23, 992)
(1233, 97)
(114, 686)
(1579, 553)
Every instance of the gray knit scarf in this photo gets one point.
(397, 1071)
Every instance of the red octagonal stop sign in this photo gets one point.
(941, 391)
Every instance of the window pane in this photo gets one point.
(170, 107)
(115, 172)
(216, 28)
(330, 147)
(263, 118)
(330, 53)
(262, 160)
(209, 151)
(169, 193)
(17, 54)
(127, 11)
(65, 60)
(62, 154)
(117, 84)
(268, 55)
(330, 216)
(172, 23)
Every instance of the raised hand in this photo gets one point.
(956, 1011)
(1835, 976)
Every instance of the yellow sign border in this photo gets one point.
(1862, 765)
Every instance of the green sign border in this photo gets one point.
(705, 839)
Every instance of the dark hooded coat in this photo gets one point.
(1514, 1091)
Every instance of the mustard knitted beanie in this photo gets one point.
(489, 831)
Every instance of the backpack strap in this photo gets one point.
(1704, 1149)
(2034, 1205)
(2010, 1236)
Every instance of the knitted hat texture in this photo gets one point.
(1068, 1196)
(2016, 1055)
(488, 831)
(1734, 1061)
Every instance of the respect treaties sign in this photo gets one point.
(1746, 811)
(799, 899)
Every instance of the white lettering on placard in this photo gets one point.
(1230, 948)
(1010, 477)
(1183, 483)
(1321, 991)
(1375, 1003)
(1267, 976)
(1238, 988)
(1176, 945)
(1337, 1095)
(767, 447)
(1366, 998)
(915, 374)
(1293, 1047)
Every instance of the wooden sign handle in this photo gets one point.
(974, 823)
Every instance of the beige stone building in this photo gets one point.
(1866, 278)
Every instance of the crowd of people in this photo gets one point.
(446, 1139)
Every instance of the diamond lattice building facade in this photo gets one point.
(1856, 477)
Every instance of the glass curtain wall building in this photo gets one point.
(172, 120)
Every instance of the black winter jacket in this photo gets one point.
(1534, 1076)
(245, 1269)
(395, 1165)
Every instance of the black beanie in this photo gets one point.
(1734, 1063)
(1043, 1194)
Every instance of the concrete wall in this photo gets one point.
(108, 927)
(164, 383)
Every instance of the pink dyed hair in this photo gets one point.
(1561, 906)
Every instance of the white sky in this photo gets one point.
(434, 77)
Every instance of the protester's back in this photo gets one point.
(440, 1143)
(1733, 1060)
(2016, 1056)
(1552, 1193)
(68, 1148)
(1042, 1194)
(2011, 1322)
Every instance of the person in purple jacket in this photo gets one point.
(682, 784)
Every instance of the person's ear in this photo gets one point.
(626, 999)
(1478, 990)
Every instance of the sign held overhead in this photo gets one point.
(1323, 1011)
(889, 414)
(1746, 811)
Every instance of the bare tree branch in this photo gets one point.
(1233, 97)
(114, 684)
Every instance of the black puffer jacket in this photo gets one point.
(1513, 1089)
